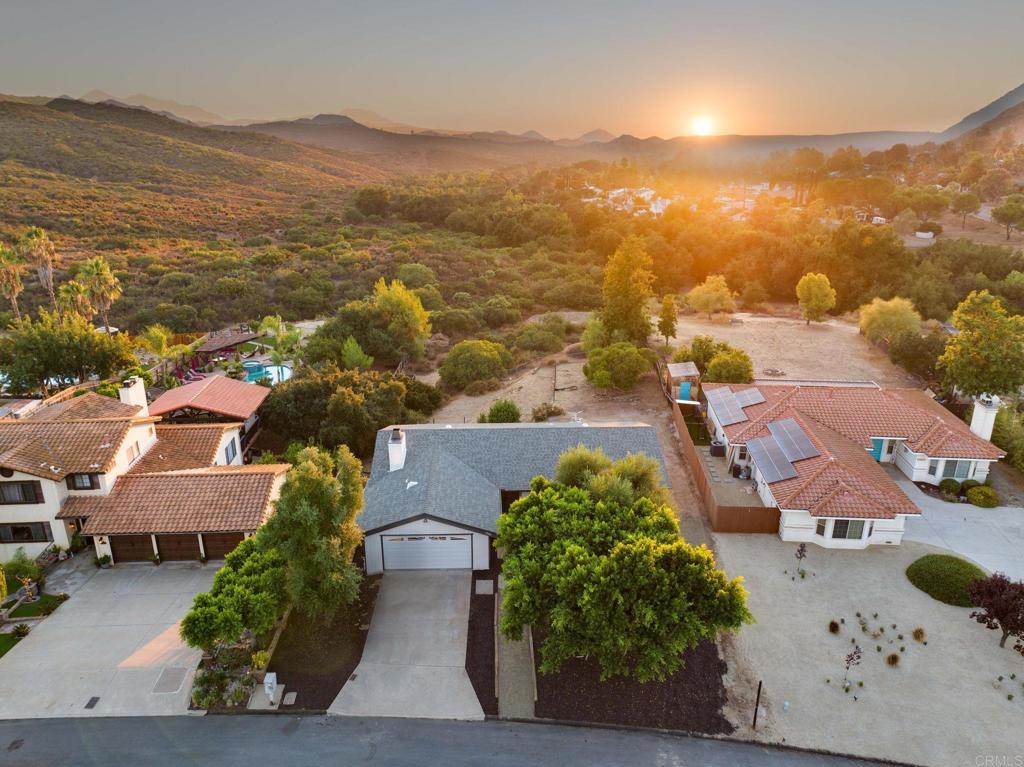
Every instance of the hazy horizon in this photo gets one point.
(651, 68)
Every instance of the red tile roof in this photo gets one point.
(183, 446)
(209, 500)
(83, 407)
(225, 339)
(214, 394)
(54, 449)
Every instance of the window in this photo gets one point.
(21, 492)
(820, 529)
(957, 469)
(26, 532)
(230, 451)
(134, 451)
(850, 529)
(933, 467)
(742, 454)
(83, 481)
(890, 447)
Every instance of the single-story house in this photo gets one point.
(214, 399)
(436, 491)
(815, 452)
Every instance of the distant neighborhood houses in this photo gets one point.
(817, 452)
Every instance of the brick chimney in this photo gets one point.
(396, 449)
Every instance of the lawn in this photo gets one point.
(315, 659)
(37, 608)
(7, 641)
(945, 578)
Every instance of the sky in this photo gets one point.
(642, 67)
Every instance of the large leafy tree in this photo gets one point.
(883, 320)
(730, 366)
(816, 296)
(101, 286)
(712, 296)
(55, 349)
(626, 290)
(314, 529)
(36, 248)
(667, 318)
(470, 361)
(619, 366)
(1000, 604)
(11, 270)
(599, 568)
(1010, 214)
(965, 204)
(986, 356)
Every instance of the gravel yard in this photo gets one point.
(942, 705)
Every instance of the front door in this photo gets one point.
(876, 448)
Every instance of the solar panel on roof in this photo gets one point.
(795, 443)
(770, 460)
(749, 397)
(727, 409)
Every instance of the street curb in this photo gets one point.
(699, 736)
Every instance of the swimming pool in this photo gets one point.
(257, 370)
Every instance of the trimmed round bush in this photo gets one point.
(470, 361)
(945, 578)
(967, 484)
(950, 485)
(983, 496)
(502, 411)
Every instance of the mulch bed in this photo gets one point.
(480, 640)
(689, 700)
(935, 492)
(315, 660)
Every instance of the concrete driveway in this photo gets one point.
(116, 639)
(414, 661)
(993, 538)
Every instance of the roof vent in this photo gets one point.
(396, 450)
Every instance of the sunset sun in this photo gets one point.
(702, 125)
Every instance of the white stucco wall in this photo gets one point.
(915, 466)
(374, 555)
(229, 434)
(54, 493)
(798, 525)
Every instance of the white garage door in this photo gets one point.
(428, 552)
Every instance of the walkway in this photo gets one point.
(994, 538)
(517, 689)
(414, 661)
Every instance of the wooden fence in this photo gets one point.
(724, 519)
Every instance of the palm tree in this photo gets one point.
(101, 284)
(11, 269)
(284, 338)
(156, 339)
(73, 298)
(36, 248)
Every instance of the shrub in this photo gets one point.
(21, 566)
(485, 386)
(546, 410)
(833, 627)
(20, 631)
(260, 659)
(950, 485)
(472, 361)
(502, 411)
(893, 659)
(967, 484)
(945, 578)
(983, 496)
(919, 634)
(733, 366)
(618, 366)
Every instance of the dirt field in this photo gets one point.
(943, 704)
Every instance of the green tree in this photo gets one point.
(883, 320)
(353, 356)
(372, 200)
(626, 290)
(60, 349)
(986, 356)
(995, 183)
(667, 318)
(314, 530)
(101, 286)
(502, 411)
(712, 296)
(11, 270)
(407, 321)
(36, 248)
(73, 298)
(730, 366)
(619, 366)
(415, 276)
(918, 354)
(1010, 214)
(610, 580)
(965, 204)
(700, 351)
(816, 296)
(158, 340)
(596, 335)
(754, 295)
(470, 361)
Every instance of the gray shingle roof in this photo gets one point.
(457, 472)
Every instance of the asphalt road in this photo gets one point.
(227, 741)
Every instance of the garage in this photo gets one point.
(131, 548)
(178, 548)
(219, 545)
(427, 552)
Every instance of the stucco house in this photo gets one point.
(436, 491)
(75, 464)
(816, 452)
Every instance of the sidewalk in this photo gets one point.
(516, 683)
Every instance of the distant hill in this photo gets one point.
(167, 107)
(1011, 119)
(985, 114)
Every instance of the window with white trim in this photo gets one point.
(741, 454)
(134, 451)
(933, 467)
(957, 469)
(848, 529)
(230, 451)
(820, 528)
